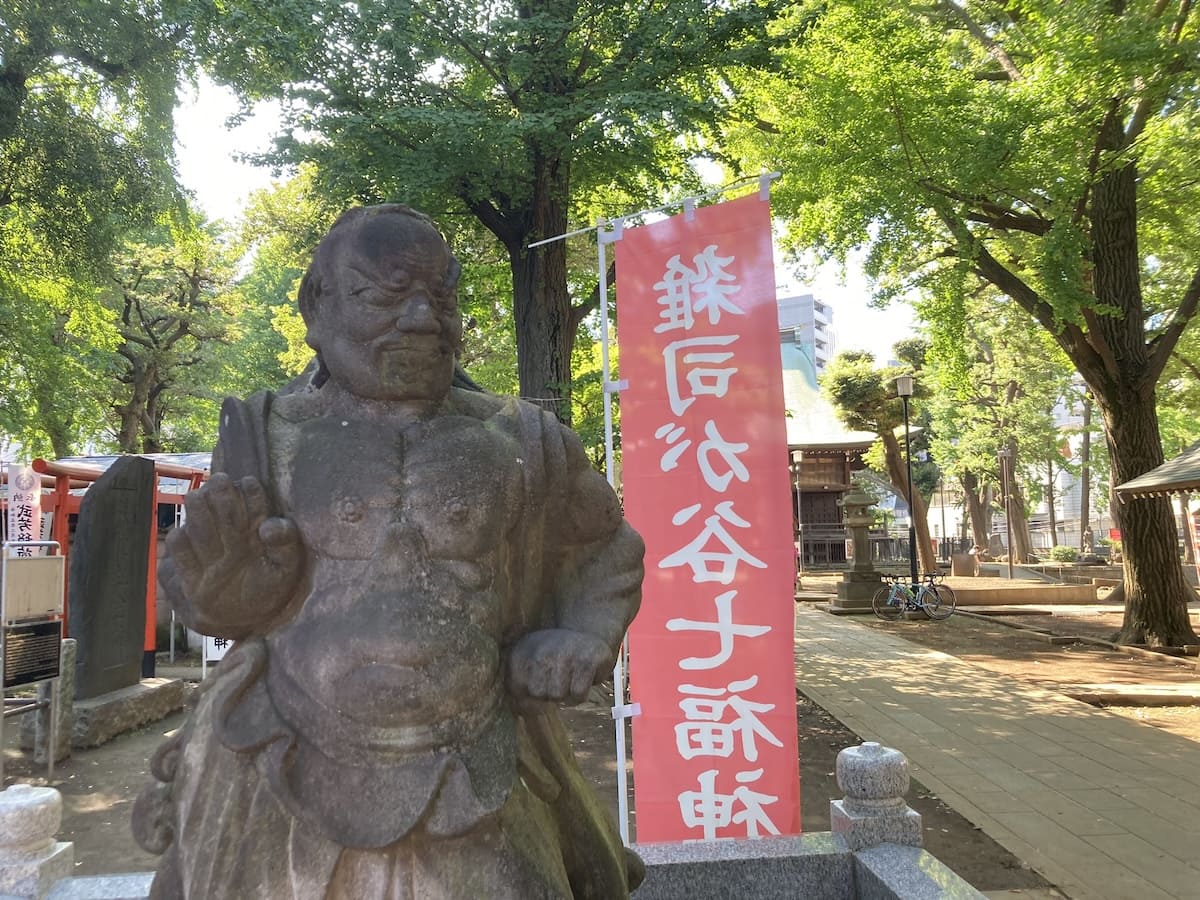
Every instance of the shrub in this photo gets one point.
(1063, 554)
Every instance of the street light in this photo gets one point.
(904, 390)
(1005, 458)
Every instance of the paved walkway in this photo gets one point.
(1103, 807)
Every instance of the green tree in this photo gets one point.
(1047, 149)
(997, 392)
(865, 398)
(56, 336)
(171, 311)
(514, 114)
(87, 91)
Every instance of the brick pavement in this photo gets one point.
(1103, 807)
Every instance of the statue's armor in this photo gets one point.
(373, 719)
(403, 587)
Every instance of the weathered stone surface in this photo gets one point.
(875, 780)
(814, 866)
(107, 582)
(31, 860)
(100, 719)
(104, 887)
(890, 871)
(35, 727)
(415, 573)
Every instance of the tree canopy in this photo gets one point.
(1042, 148)
(529, 117)
(87, 92)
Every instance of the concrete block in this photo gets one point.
(31, 860)
(814, 866)
(889, 872)
(100, 719)
(875, 780)
(104, 887)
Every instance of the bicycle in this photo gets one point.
(894, 599)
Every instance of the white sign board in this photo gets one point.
(215, 648)
(24, 508)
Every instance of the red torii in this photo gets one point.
(64, 503)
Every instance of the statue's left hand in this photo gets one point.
(557, 665)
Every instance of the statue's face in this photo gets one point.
(387, 324)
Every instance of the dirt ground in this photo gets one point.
(98, 786)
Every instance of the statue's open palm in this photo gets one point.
(231, 567)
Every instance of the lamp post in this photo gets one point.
(904, 390)
(1005, 456)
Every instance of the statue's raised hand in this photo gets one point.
(231, 568)
(558, 665)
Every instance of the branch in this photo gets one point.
(93, 62)
(1186, 363)
(993, 48)
(1163, 344)
(593, 299)
(1146, 105)
(992, 213)
(1072, 338)
(1094, 160)
(455, 36)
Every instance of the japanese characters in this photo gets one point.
(705, 481)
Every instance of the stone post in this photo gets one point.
(35, 729)
(875, 780)
(31, 860)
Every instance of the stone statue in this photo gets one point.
(415, 573)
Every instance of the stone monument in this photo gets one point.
(415, 573)
(107, 582)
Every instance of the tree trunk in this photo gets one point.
(898, 473)
(976, 509)
(541, 301)
(1156, 593)
(1022, 549)
(1086, 538)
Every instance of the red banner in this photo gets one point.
(704, 453)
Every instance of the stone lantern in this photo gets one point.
(858, 585)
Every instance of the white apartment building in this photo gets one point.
(805, 334)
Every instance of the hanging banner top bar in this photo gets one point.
(608, 237)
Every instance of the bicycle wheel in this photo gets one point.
(938, 601)
(888, 603)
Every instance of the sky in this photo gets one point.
(207, 154)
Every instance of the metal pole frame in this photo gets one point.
(912, 513)
(609, 231)
(1005, 464)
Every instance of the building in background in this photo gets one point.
(805, 335)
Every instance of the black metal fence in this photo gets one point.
(829, 547)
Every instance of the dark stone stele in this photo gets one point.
(416, 573)
(106, 589)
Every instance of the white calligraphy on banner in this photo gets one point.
(706, 288)
(706, 484)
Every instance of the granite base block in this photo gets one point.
(862, 830)
(817, 866)
(891, 871)
(134, 886)
(33, 878)
(100, 719)
(814, 866)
